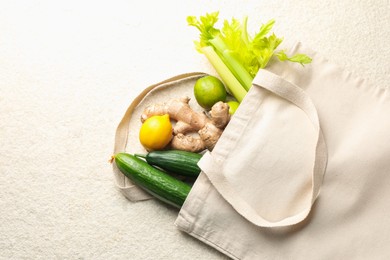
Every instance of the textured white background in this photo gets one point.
(68, 71)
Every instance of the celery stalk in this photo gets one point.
(233, 85)
(238, 70)
(218, 43)
(244, 35)
(232, 63)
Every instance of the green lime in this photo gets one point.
(209, 90)
(233, 105)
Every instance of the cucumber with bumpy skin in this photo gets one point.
(175, 161)
(156, 182)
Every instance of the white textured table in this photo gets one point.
(68, 71)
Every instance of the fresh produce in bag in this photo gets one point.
(173, 134)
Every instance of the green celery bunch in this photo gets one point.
(235, 55)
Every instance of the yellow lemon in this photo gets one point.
(156, 132)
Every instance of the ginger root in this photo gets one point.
(209, 128)
(220, 114)
(187, 143)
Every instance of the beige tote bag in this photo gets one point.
(302, 170)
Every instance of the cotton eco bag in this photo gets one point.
(300, 172)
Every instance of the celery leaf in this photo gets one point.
(205, 25)
(300, 58)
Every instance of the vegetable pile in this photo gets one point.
(174, 134)
(208, 126)
(235, 55)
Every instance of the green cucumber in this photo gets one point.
(175, 161)
(156, 182)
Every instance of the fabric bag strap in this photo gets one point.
(298, 97)
(133, 192)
